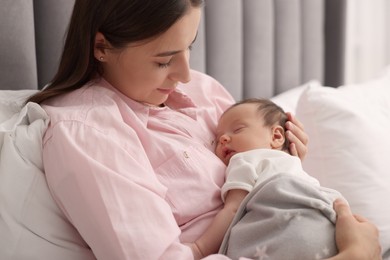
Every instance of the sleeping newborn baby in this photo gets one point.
(273, 208)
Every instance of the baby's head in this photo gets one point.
(251, 124)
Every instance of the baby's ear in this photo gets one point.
(277, 137)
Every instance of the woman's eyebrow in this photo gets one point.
(171, 53)
(166, 53)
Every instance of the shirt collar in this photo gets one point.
(177, 100)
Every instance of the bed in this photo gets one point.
(287, 50)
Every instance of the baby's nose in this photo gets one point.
(224, 139)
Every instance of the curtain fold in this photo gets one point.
(287, 44)
(258, 48)
(335, 10)
(17, 45)
(313, 40)
(224, 43)
(51, 22)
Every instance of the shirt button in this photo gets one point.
(185, 154)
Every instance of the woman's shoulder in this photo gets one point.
(81, 103)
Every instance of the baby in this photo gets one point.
(284, 212)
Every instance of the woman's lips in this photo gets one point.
(166, 91)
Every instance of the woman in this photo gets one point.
(128, 154)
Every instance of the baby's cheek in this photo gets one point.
(218, 151)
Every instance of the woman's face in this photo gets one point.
(148, 72)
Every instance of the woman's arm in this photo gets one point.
(356, 237)
(111, 196)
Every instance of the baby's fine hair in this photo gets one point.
(272, 114)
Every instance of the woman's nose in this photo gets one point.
(181, 71)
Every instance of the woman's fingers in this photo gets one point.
(342, 209)
(360, 218)
(297, 137)
(355, 236)
(294, 120)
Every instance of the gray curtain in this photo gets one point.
(17, 45)
(253, 47)
(262, 47)
(32, 33)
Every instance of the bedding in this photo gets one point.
(286, 207)
(288, 100)
(27, 211)
(349, 145)
(266, 227)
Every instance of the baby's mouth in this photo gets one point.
(228, 153)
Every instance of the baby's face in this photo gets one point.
(240, 129)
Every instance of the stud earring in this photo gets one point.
(101, 58)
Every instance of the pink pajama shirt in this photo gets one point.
(136, 181)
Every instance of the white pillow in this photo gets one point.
(349, 145)
(288, 100)
(11, 101)
(31, 224)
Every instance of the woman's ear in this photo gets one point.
(100, 46)
(278, 138)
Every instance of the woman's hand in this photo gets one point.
(296, 135)
(356, 237)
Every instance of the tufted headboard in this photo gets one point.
(253, 47)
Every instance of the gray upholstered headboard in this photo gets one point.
(253, 47)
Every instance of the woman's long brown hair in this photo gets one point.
(121, 22)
